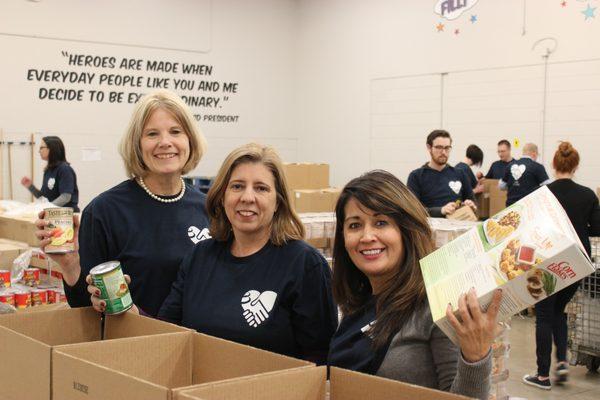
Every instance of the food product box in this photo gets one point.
(311, 384)
(155, 367)
(464, 213)
(530, 250)
(27, 341)
(445, 230)
(18, 229)
(307, 175)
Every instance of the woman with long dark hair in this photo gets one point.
(59, 185)
(387, 329)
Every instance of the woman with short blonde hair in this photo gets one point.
(151, 220)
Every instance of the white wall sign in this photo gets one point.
(452, 9)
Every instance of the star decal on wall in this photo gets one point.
(589, 12)
(440, 27)
(563, 4)
(456, 31)
(473, 19)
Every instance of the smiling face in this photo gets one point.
(373, 242)
(164, 144)
(250, 200)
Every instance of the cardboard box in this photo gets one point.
(307, 175)
(27, 341)
(530, 250)
(446, 230)
(155, 367)
(497, 197)
(316, 201)
(311, 384)
(483, 204)
(9, 250)
(464, 213)
(19, 229)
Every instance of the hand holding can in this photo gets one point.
(109, 288)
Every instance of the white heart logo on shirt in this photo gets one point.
(198, 235)
(257, 305)
(455, 186)
(51, 183)
(517, 170)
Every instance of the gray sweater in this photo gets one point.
(421, 354)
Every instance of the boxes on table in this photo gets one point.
(307, 175)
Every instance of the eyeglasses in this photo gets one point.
(442, 148)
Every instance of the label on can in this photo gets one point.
(4, 278)
(22, 299)
(108, 277)
(8, 298)
(39, 297)
(31, 277)
(52, 296)
(60, 225)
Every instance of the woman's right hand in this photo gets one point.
(69, 262)
(99, 304)
(26, 181)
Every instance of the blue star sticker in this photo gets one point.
(589, 12)
(473, 19)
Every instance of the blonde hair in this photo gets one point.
(130, 146)
(286, 224)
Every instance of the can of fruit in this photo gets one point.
(39, 297)
(108, 277)
(4, 278)
(31, 277)
(22, 299)
(60, 225)
(7, 297)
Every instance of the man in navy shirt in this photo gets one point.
(438, 185)
(498, 168)
(524, 175)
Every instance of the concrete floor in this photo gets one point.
(582, 384)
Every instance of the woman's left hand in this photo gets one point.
(477, 329)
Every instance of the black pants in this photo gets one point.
(551, 322)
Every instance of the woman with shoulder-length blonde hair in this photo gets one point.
(149, 221)
(255, 281)
(387, 329)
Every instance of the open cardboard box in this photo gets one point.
(19, 229)
(155, 367)
(497, 197)
(311, 384)
(27, 340)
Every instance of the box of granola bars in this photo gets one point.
(530, 250)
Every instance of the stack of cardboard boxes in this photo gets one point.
(309, 184)
(492, 200)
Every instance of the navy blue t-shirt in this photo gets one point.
(435, 188)
(58, 180)
(278, 299)
(149, 238)
(522, 177)
(468, 171)
(497, 169)
(352, 347)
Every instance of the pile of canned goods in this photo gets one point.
(28, 292)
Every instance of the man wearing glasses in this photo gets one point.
(438, 185)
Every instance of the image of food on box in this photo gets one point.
(502, 225)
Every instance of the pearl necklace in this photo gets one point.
(161, 199)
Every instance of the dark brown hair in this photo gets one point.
(381, 192)
(436, 134)
(566, 158)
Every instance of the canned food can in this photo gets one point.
(60, 296)
(22, 299)
(39, 297)
(108, 277)
(60, 225)
(4, 278)
(51, 296)
(31, 277)
(7, 297)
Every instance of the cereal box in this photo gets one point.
(529, 249)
